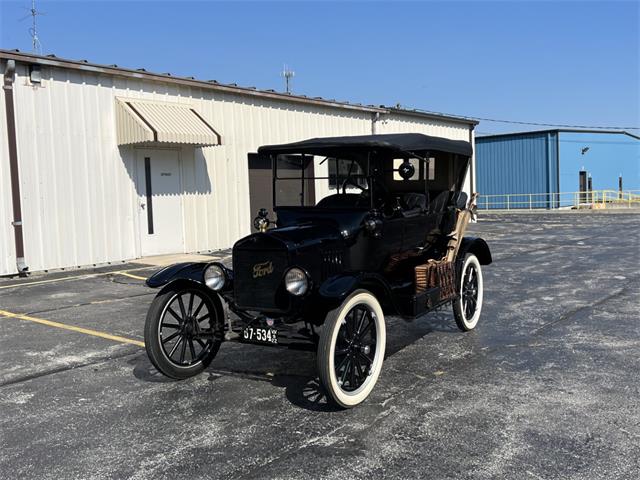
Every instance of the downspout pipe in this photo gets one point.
(9, 73)
(374, 120)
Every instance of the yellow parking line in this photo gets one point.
(137, 277)
(77, 277)
(86, 331)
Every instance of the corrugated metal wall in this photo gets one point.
(395, 123)
(514, 164)
(78, 186)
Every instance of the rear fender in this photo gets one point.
(478, 247)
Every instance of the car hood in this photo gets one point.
(293, 237)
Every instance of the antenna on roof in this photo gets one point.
(287, 75)
(33, 31)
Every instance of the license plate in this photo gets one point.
(260, 335)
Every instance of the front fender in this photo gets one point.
(336, 289)
(478, 247)
(190, 271)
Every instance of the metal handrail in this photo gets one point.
(560, 200)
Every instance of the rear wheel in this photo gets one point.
(468, 306)
(183, 331)
(351, 349)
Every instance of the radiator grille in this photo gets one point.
(257, 275)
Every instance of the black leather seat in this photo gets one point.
(415, 200)
(459, 199)
(413, 204)
(440, 202)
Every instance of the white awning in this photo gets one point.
(144, 121)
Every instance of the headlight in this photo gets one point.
(296, 282)
(214, 277)
(260, 224)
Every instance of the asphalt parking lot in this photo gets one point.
(547, 386)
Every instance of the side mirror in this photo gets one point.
(406, 169)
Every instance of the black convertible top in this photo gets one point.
(397, 143)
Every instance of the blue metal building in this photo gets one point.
(546, 164)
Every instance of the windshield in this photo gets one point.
(305, 180)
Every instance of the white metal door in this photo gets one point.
(159, 202)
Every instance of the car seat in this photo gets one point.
(413, 204)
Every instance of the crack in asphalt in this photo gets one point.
(312, 442)
(593, 306)
(95, 302)
(283, 454)
(65, 368)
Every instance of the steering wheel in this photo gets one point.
(352, 182)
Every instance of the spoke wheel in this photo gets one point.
(351, 349)
(183, 331)
(355, 348)
(468, 306)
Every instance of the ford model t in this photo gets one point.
(386, 237)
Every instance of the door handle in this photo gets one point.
(142, 205)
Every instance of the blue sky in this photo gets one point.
(555, 62)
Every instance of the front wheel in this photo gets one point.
(351, 349)
(183, 331)
(468, 306)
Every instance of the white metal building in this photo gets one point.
(83, 144)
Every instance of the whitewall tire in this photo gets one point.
(351, 349)
(467, 308)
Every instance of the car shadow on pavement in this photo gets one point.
(295, 370)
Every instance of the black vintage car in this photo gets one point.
(386, 238)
